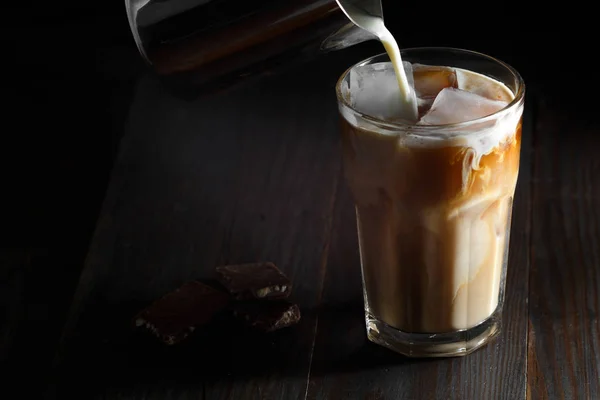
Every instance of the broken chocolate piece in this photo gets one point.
(173, 317)
(255, 281)
(267, 316)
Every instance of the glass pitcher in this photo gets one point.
(210, 44)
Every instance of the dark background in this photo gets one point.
(68, 74)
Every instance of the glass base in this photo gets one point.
(449, 344)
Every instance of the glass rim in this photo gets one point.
(519, 95)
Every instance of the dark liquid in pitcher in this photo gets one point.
(213, 43)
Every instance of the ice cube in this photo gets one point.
(454, 105)
(483, 86)
(374, 91)
(410, 72)
(430, 80)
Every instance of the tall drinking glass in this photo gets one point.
(433, 203)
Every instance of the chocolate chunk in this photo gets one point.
(173, 317)
(255, 281)
(267, 316)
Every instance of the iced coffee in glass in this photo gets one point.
(433, 196)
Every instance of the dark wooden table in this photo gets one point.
(255, 174)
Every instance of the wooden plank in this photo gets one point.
(564, 302)
(242, 176)
(347, 365)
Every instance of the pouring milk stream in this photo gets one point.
(368, 15)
